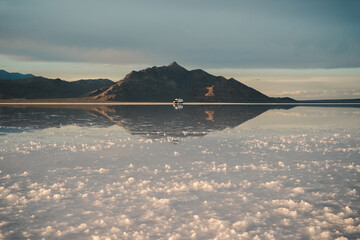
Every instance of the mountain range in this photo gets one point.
(155, 84)
(43, 88)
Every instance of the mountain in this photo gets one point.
(4, 75)
(40, 88)
(163, 84)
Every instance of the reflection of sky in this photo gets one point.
(264, 179)
(308, 117)
(239, 35)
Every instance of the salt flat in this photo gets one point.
(204, 172)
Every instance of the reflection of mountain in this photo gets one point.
(28, 118)
(157, 121)
(150, 121)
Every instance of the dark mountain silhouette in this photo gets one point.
(163, 84)
(40, 88)
(147, 121)
(4, 75)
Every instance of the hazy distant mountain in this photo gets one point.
(4, 75)
(163, 84)
(356, 100)
(40, 88)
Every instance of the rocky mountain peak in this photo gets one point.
(175, 66)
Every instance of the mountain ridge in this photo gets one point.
(4, 75)
(42, 88)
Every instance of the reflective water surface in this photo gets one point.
(202, 172)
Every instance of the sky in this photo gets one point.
(305, 49)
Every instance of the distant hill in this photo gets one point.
(4, 75)
(40, 88)
(356, 100)
(163, 84)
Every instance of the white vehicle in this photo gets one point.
(178, 101)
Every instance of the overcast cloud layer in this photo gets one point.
(237, 34)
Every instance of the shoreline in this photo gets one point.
(35, 103)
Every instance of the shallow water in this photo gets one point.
(203, 172)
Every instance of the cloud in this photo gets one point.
(253, 34)
(25, 50)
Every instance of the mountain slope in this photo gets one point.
(4, 75)
(40, 88)
(163, 84)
